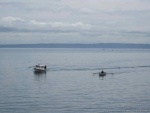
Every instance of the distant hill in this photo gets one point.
(98, 45)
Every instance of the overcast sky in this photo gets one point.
(74, 21)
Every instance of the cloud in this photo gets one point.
(19, 24)
(91, 20)
(78, 25)
(109, 4)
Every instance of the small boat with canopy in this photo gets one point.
(40, 68)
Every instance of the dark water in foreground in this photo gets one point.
(69, 85)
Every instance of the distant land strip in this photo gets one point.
(59, 45)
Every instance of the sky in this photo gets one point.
(74, 21)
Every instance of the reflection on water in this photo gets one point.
(102, 76)
(39, 75)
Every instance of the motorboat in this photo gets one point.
(102, 73)
(40, 68)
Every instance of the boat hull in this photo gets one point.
(39, 70)
(102, 74)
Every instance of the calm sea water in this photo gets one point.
(69, 85)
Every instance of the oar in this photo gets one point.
(96, 73)
(31, 66)
(106, 73)
(110, 73)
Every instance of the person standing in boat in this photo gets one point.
(45, 67)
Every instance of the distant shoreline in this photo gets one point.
(60, 45)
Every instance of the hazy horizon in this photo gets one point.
(78, 45)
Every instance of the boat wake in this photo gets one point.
(95, 68)
(71, 69)
(126, 67)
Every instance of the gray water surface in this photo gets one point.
(69, 85)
